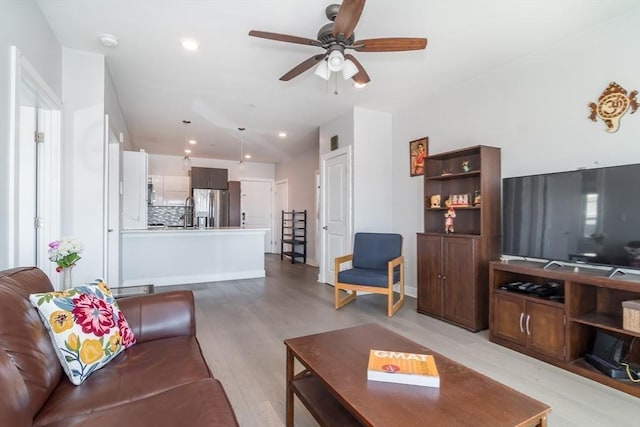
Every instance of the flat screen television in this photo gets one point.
(587, 215)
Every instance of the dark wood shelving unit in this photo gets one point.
(453, 269)
(592, 303)
(294, 236)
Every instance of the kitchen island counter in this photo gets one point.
(175, 255)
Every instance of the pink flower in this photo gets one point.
(93, 315)
(126, 334)
(54, 244)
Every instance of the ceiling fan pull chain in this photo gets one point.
(335, 78)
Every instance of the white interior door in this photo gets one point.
(27, 184)
(336, 210)
(256, 207)
(35, 141)
(281, 204)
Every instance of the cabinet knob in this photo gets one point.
(444, 277)
(439, 276)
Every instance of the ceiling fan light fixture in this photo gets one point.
(349, 69)
(322, 70)
(335, 62)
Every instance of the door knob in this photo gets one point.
(325, 228)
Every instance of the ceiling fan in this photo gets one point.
(336, 37)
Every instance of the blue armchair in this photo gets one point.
(377, 264)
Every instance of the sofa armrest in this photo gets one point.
(162, 315)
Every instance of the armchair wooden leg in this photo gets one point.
(395, 307)
(391, 307)
(341, 302)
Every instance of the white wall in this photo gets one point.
(23, 25)
(342, 126)
(372, 171)
(535, 109)
(83, 157)
(301, 177)
(172, 165)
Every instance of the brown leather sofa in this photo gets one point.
(163, 380)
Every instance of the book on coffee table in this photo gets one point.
(403, 368)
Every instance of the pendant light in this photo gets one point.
(186, 160)
(241, 147)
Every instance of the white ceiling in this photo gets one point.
(232, 80)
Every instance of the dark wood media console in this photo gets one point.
(562, 332)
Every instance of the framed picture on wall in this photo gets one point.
(418, 152)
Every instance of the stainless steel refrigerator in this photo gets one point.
(210, 208)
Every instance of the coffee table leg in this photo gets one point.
(289, 389)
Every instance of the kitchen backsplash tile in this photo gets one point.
(167, 215)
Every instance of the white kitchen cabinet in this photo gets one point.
(157, 190)
(134, 190)
(176, 190)
(169, 190)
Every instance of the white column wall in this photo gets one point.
(83, 157)
(372, 171)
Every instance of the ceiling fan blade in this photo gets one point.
(348, 17)
(284, 38)
(394, 44)
(302, 67)
(361, 77)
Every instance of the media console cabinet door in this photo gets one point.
(508, 318)
(544, 326)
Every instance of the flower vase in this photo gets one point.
(66, 278)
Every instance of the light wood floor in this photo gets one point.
(242, 324)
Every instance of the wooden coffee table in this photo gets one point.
(333, 386)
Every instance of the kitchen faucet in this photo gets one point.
(188, 212)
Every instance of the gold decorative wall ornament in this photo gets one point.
(612, 104)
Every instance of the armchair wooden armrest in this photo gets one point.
(341, 260)
(396, 262)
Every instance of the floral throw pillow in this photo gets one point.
(86, 326)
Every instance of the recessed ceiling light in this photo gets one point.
(190, 44)
(187, 151)
(108, 40)
(247, 156)
(282, 134)
(193, 142)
